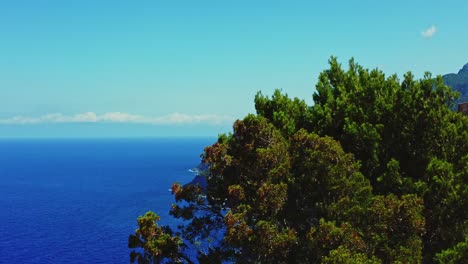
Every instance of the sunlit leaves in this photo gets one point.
(157, 242)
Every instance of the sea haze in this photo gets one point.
(77, 200)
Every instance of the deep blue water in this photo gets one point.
(77, 200)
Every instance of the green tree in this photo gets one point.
(287, 115)
(157, 242)
(400, 131)
(376, 171)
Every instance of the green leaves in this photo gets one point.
(394, 228)
(456, 254)
(376, 171)
(327, 181)
(157, 242)
(287, 115)
(406, 137)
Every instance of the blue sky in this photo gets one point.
(188, 68)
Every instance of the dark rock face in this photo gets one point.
(459, 82)
(200, 178)
(464, 70)
(201, 181)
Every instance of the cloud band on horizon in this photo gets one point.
(119, 117)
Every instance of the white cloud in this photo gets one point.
(119, 117)
(430, 32)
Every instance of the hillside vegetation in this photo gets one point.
(376, 171)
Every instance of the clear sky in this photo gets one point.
(188, 68)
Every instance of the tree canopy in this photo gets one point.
(376, 171)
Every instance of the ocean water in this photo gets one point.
(77, 200)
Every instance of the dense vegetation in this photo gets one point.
(376, 171)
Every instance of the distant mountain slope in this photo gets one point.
(459, 82)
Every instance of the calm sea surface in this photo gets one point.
(77, 200)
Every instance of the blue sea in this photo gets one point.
(77, 200)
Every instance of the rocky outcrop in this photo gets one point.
(200, 177)
(459, 82)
